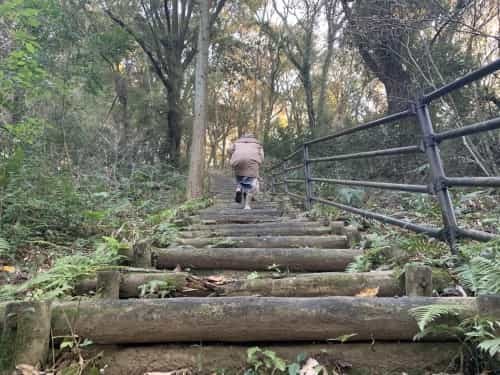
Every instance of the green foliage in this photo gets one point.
(157, 289)
(491, 346)
(38, 203)
(373, 257)
(350, 196)
(393, 250)
(479, 336)
(425, 315)
(4, 249)
(264, 362)
(481, 275)
(60, 280)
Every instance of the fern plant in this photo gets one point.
(429, 319)
(4, 249)
(479, 336)
(66, 271)
(481, 275)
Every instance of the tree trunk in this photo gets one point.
(308, 90)
(121, 90)
(197, 159)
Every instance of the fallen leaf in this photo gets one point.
(27, 370)
(9, 269)
(216, 279)
(183, 371)
(178, 268)
(368, 292)
(312, 367)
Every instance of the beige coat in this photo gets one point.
(247, 155)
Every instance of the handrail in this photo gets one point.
(429, 144)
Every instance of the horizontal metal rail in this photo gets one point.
(295, 180)
(297, 196)
(296, 152)
(461, 82)
(478, 235)
(294, 167)
(368, 125)
(472, 181)
(430, 231)
(428, 143)
(377, 185)
(366, 154)
(469, 130)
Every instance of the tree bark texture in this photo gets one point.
(244, 319)
(256, 259)
(197, 157)
(331, 242)
(130, 282)
(318, 284)
(26, 333)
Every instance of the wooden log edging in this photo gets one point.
(331, 241)
(131, 281)
(247, 319)
(318, 284)
(271, 231)
(256, 259)
(25, 335)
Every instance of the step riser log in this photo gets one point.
(256, 259)
(318, 231)
(240, 219)
(332, 242)
(302, 223)
(316, 285)
(246, 319)
(130, 282)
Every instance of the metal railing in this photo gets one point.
(429, 144)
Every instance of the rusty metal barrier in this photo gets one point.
(429, 144)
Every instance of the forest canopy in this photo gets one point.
(97, 96)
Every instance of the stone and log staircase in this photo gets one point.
(269, 277)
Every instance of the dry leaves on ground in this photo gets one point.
(368, 292)
(312, 367)
(184, 371)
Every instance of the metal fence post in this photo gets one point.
(431, 147)
(285, 176)
(307, 178)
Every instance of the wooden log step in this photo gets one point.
(269, 231)
(239, 211)
(332, 242)
(130, 282)
(299, 223)
(381, 284)
(248, 319)
(259, 204)
(255, 259)
(379, 359)
(241, 219)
